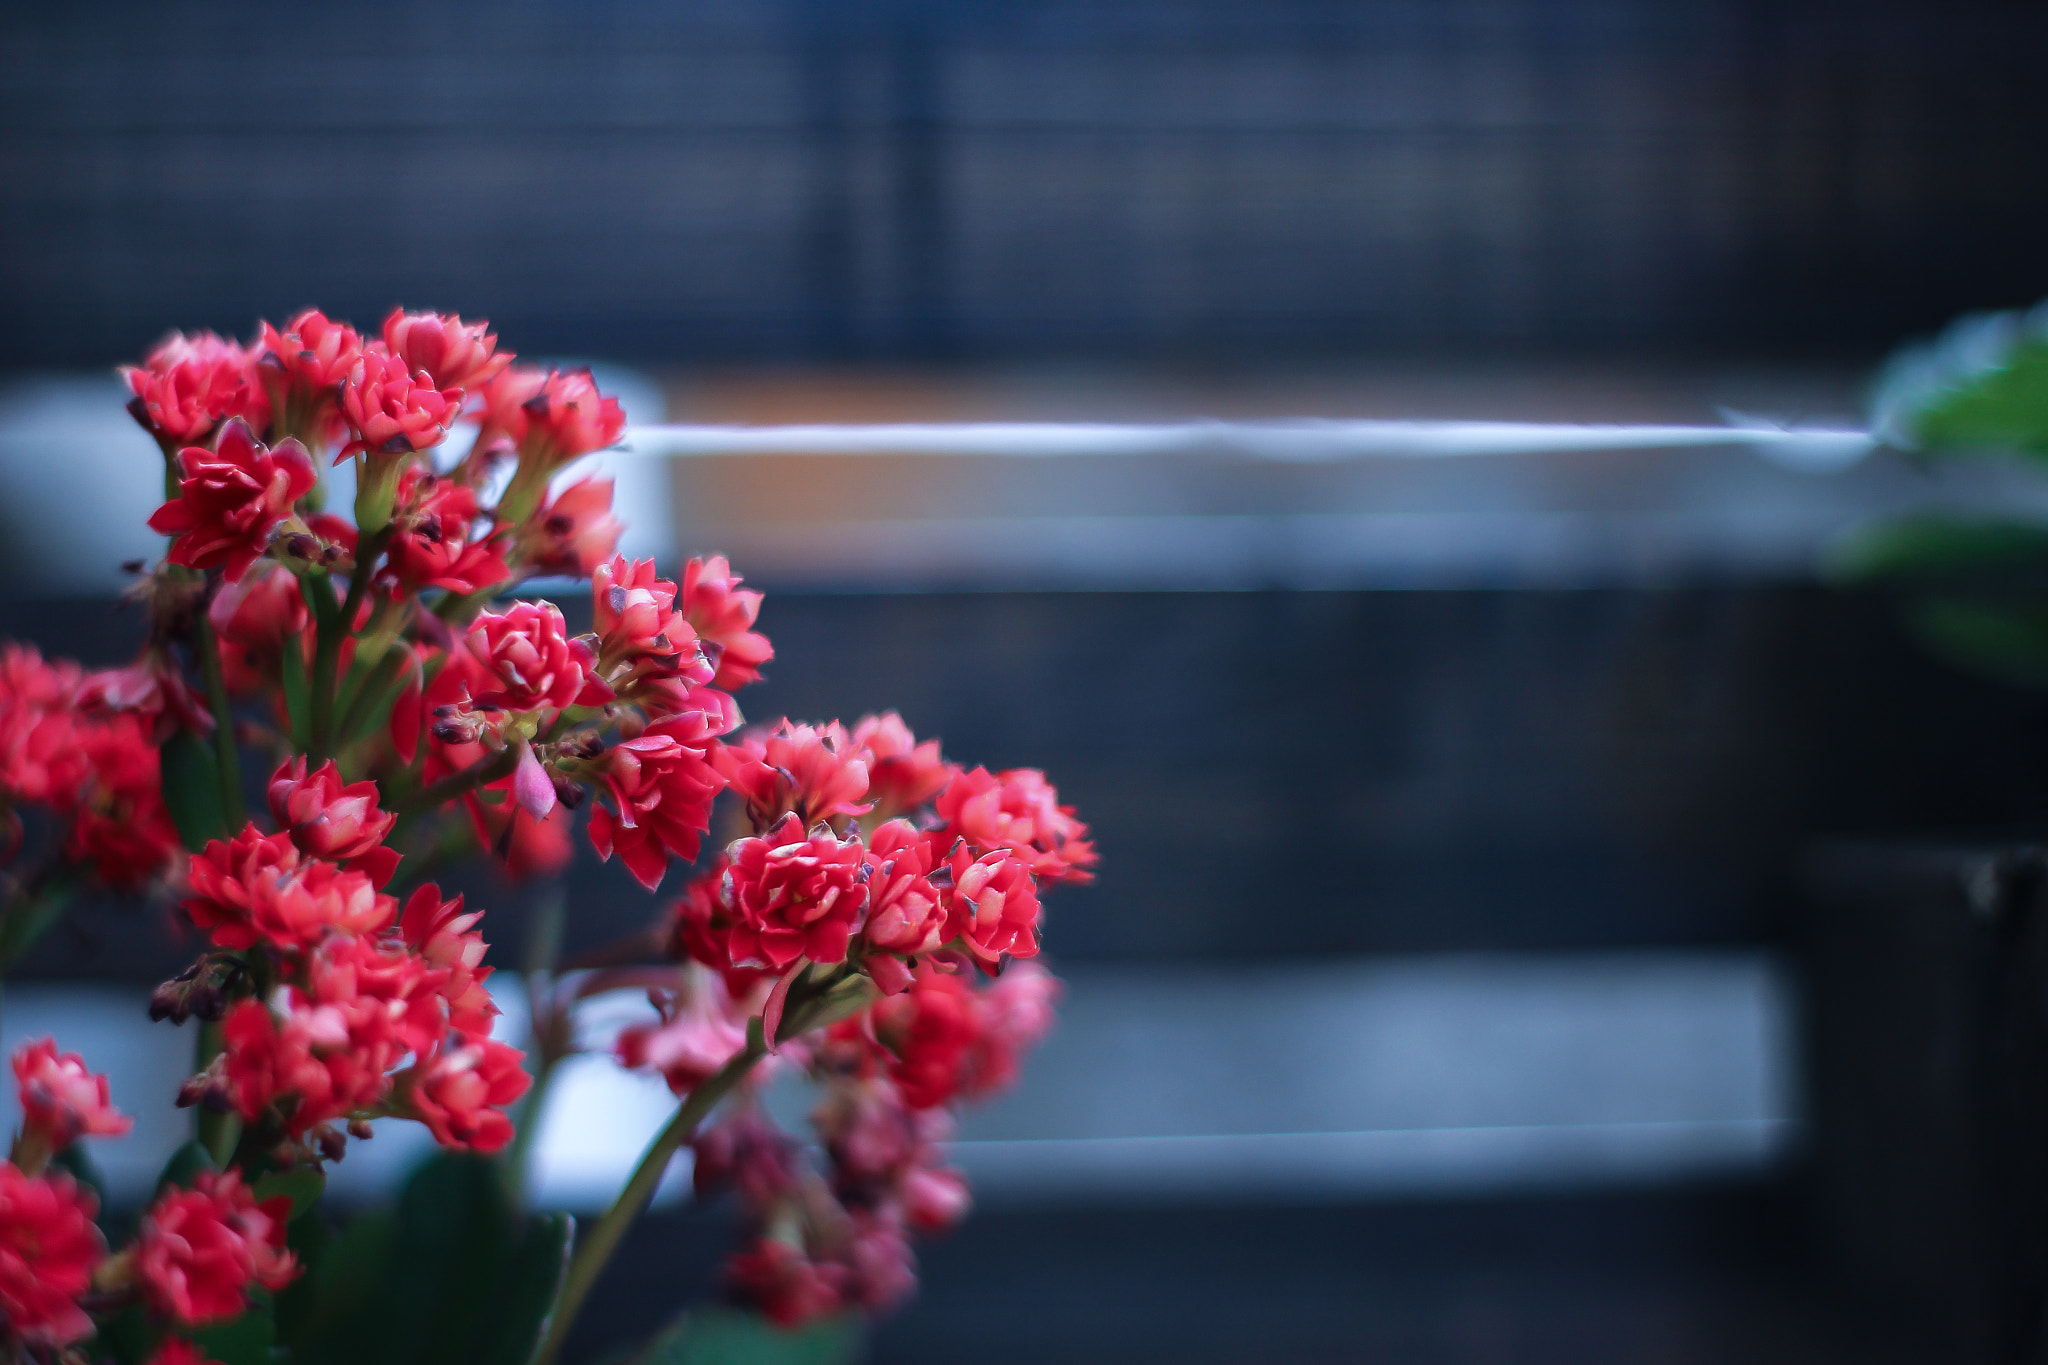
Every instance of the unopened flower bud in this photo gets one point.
(333, 1146)
(360, 1130)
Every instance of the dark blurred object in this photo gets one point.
(1930, 1089)
(1206, 178)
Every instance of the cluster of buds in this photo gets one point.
(408, 704)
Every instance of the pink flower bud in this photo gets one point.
(454, 354)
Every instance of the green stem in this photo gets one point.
(326, 649)
(596, 1249)
(480, 773)
(519, 1157)
(225, 758)
(217, 1133)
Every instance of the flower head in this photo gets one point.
(460, 1092)
(701, 1028)
(313, 1063)
(992, 910)
(119, 824)
(815, 771)
(259, 888)
(902, 773)
(230, 497)
(188, 386)
(313, 352)
(326, 819)
(48, 1248)
(907, 910)
(566, 418)
(660, 786)
(453, 353)
(1020, 811)
(530, 663)
(61, 1099)
(435, 542)
(575, 532)
(448, 939)
(200, 1250)
(792, 895)
(392, 408)
(723, 613)
(256, 619)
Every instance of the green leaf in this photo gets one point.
(185, 1165)
(128, 1337)
(2005, 406)
(2004, 641)
(1938, 549)
(298, 695)
(724, 1336)
(331, 1314)
(303, 1185)
(191, 785)
(245, 1341)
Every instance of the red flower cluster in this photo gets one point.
(48, 1249)
(62, 1101)
(200, 1250)
(230, 498)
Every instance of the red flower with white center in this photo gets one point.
(661, 784)
(188, 386)
(460, 1093)
(701, 1028)
(1018, 810)
(906, 912)
(992, 910)
(393, 409)
(200, 1250)
(793, 895)
(434, 541)
(529, 663)
(328, 820)
(815, 771)
(902, 773)
(255, 619)
(314, 1063)
(575, 533)
(48, 1249)
(257, 888)
(61, 1099)
(787, 1287)
(723, 615)
(454, 353)
(448, 939)
(929, 1032)
(229, 499)
(119, 824)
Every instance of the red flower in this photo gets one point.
(460, 1093)
(933, 1198)
(453, 353)
(1018, 810)
(377, 988)
(929, 1031)
(530, 663)
(993, 908)
(447, 938)
(188, 386)
(646, 650)
(816, 771)
(701, 1029)
(178, 1351)
(505, 396)
(315, 1064)
(200, 1250)
(906, 911)
(63, 1100)
(723, 614)
(787, 1287)
(1013, 1013)
(230, 497)
(567, 418)
(434, 542)
(313, 352)
(328, 820)
(576, 532)
(661, 784)
(392, 409)
(793, 895)
(119, 824)
(153, 688)
(880, 1272)
(48, 1248)
(254, 619)
(260, 888)
(902, 773)
(747, 1152)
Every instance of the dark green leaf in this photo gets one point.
(128, 1337)
(245, 1341)
(185, 1165)
(724, 1336)
(2005, 406)
(528, 1288)
(191, 785)
(331, 1315)
(75, 1160)
(2001, 640)
(298, 696)
(1943, 550)
(303, 1185)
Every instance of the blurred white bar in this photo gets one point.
(1296, 441)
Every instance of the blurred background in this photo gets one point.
(1539, 921)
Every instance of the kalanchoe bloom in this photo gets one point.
(374, 985)
(873, 1141)
(529, 663)
(455, 354)
(902, 773)
(880, 1272)
(700, 930)
(747, 1153)
(907, 912)
(460, 1093)
(633, 614)
(575, 533)
(787, 1287)
(1012, 1014)
(992, 910)
(933, 1198)
(179, 1351)
(701, 1029)
(188, 386)
(313, 1063)
(815, 771)
(119, 824)
(504, 398)
(722, 614)
(929, 1032)
(328, 820)
(48, 1249)
(1018, 810)
(659, 786)
(61, 1099)
(434, 541)
(567, 418)
(39, 761)
(447, 938)
(793, 895)
(259, 888)
(255, 619)
(200, 1250)
(394, 409)
(154, 688)
(312, 352)
(230, 498)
